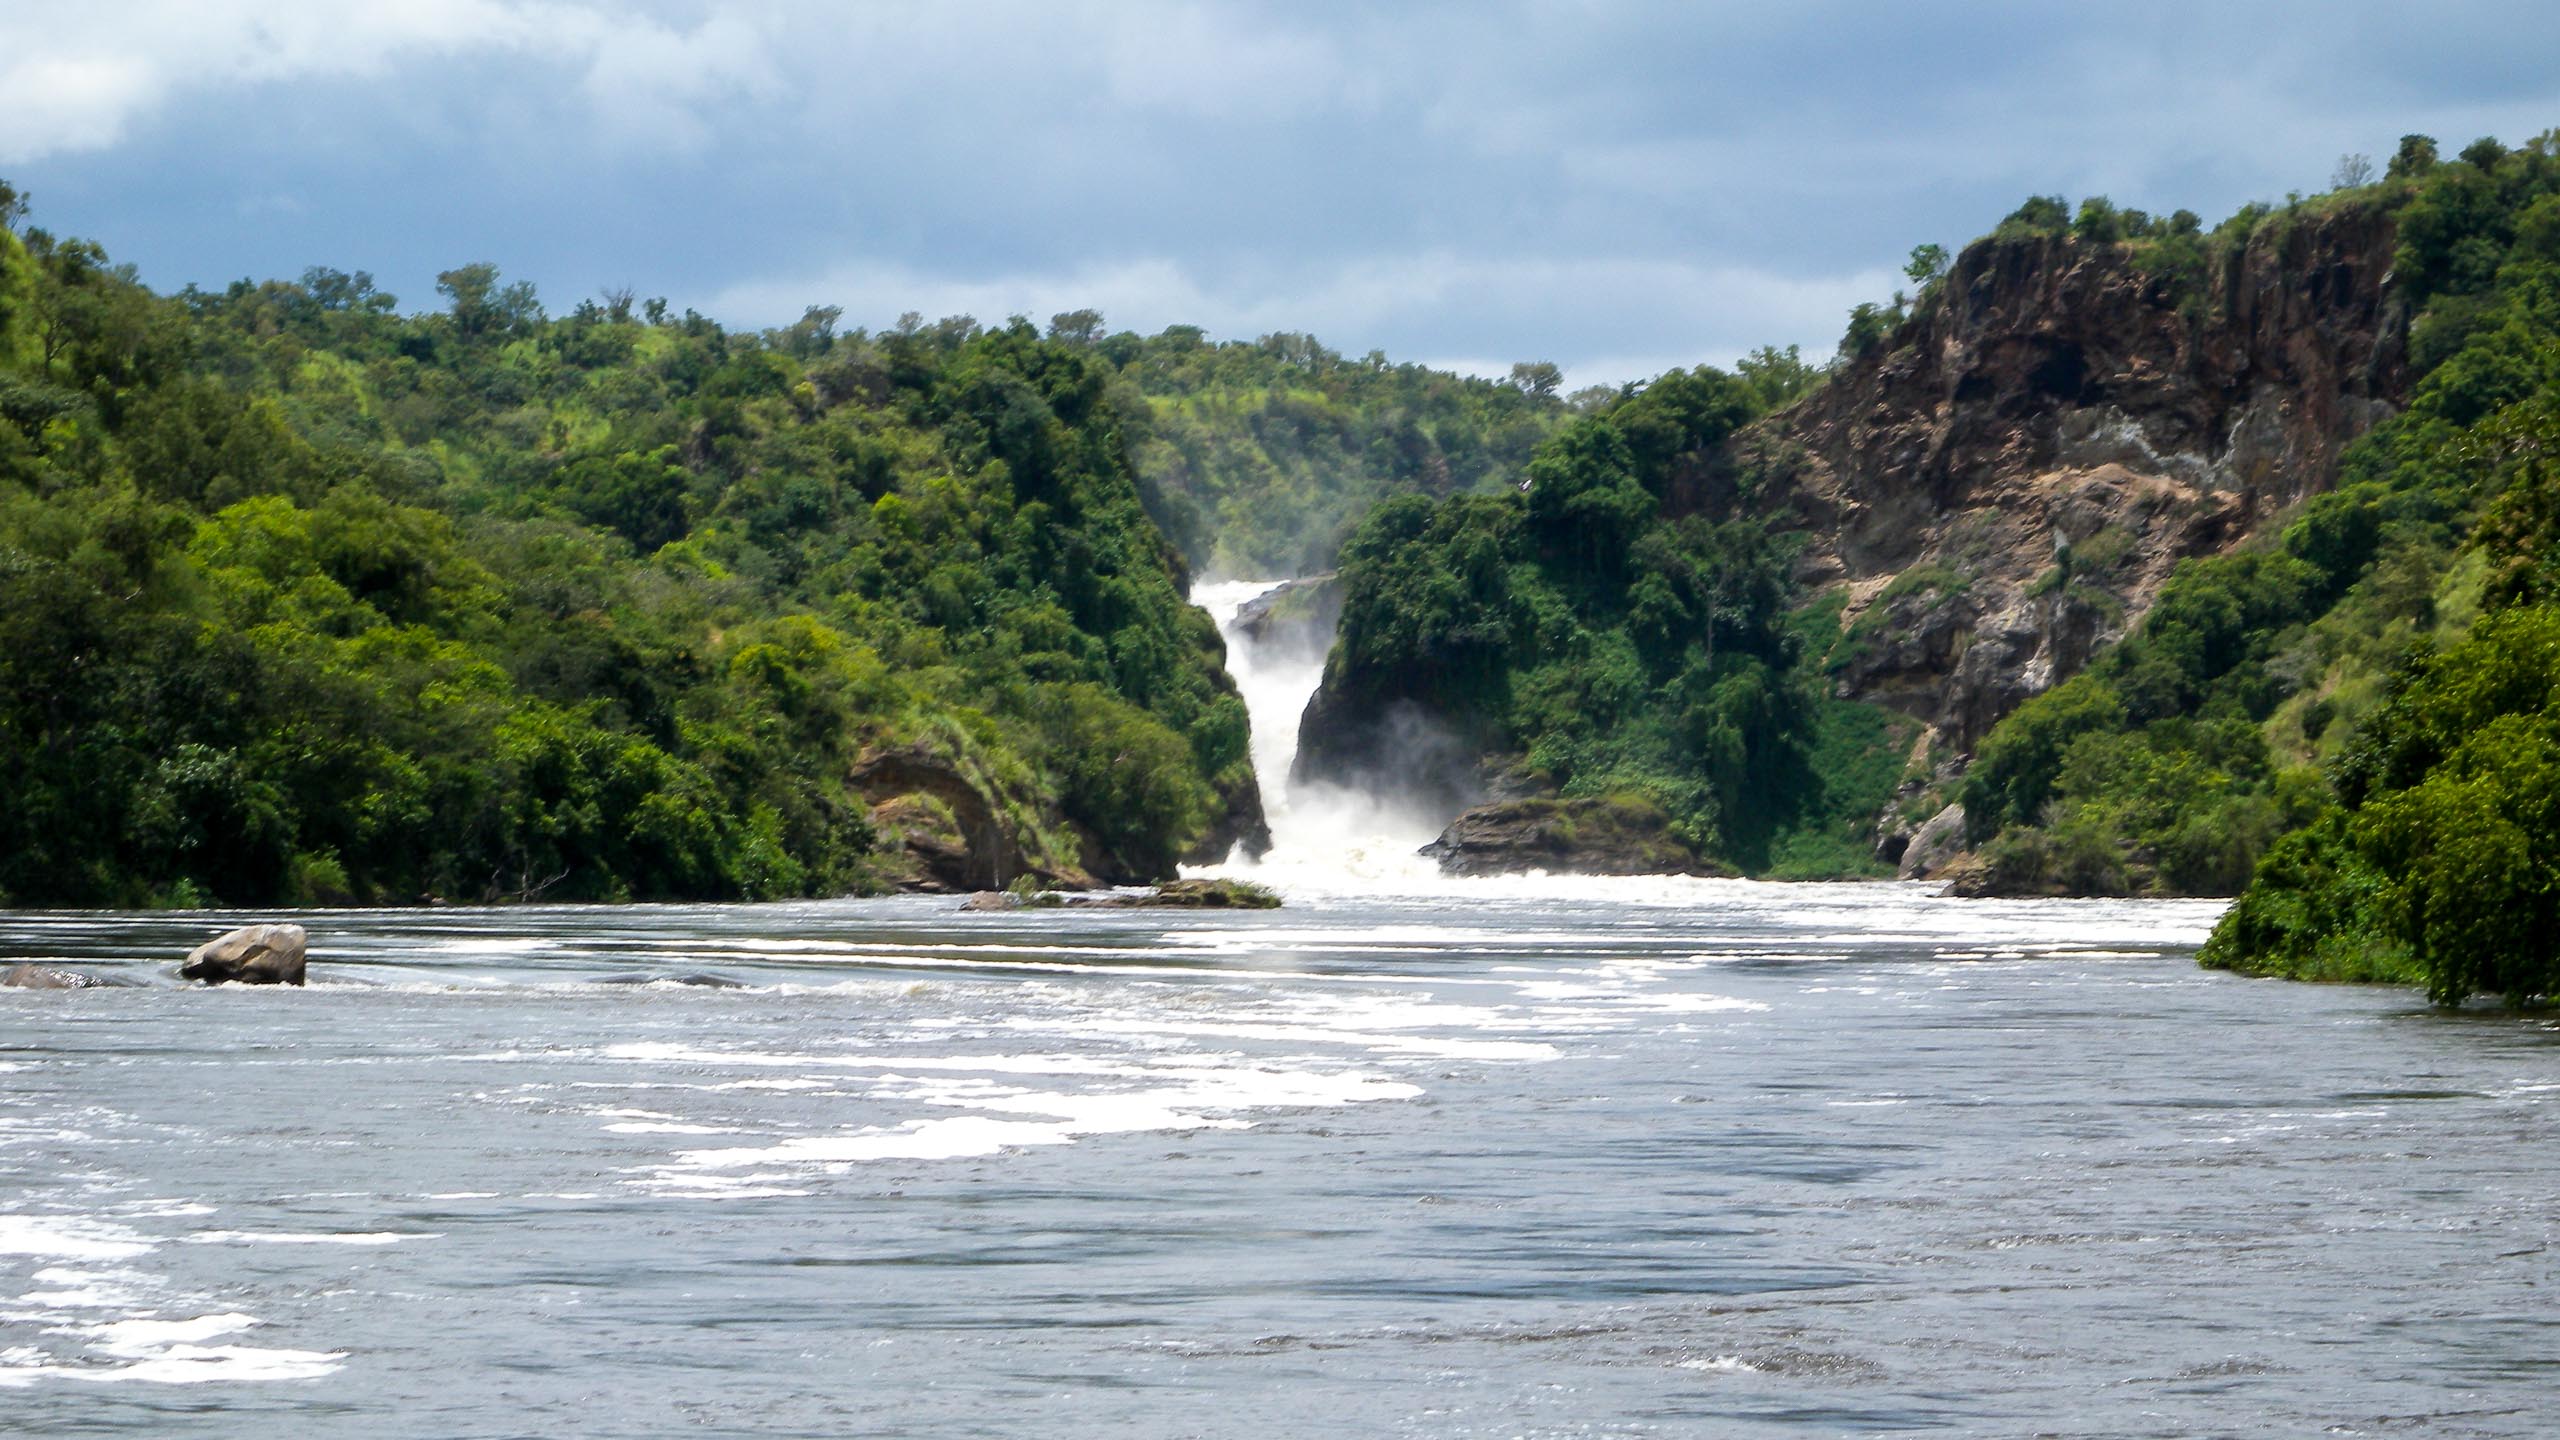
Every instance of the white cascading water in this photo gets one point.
(1323, 837)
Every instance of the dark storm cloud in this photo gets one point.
(1619, 187)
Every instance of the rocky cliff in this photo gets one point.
(1999, 490)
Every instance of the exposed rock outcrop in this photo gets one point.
(1187, 895)
(1296, 618)
(1936, 844)
(946, 822)
(250, 955)
(1240, 824)
(2002, 488)
(1616, 835)
(1397, 751)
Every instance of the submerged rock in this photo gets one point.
(1014, 900)
(250, 955)
(1191, 895)
(28, 975)
(1613, 835)
(698, 979)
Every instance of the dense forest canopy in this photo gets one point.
(1259, 457)
(308, 599)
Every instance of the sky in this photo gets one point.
(1615, 187)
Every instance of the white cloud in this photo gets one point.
(79, 78)
(68, 102)
(1214, 64)
(652, 83)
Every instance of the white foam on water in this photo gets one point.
(71, 1237)
(112, 1289)
(142, 1337)
(150, 1347)
(207, 1364)
(310, 1237)
(663, 1052)
(1437, 1047)
(491, 945)
(1722, 1365)
(164, 1209)
(1006, 1117)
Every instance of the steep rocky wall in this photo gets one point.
(2000, 489)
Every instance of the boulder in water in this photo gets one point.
(1935, 846)
(251, 955)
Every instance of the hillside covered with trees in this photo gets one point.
(1260, 457)
(303, 598)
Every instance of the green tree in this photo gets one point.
(482, 307)
(1540, 378)
(2415, 157)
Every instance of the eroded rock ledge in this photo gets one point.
(1613, 835)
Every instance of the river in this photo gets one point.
(1525, 1157)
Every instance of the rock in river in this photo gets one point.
(252, 955)
(28, 975)
(1611, 835)
(1188, 895)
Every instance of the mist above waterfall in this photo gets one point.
(1322, 835)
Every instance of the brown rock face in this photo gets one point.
(1582, 836)
(954, 836)
(2001, 490)
(250, 955)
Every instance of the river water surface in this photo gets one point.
(1535, 1157)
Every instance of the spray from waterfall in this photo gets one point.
(1323, 837)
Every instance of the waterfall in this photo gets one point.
(1323, 837)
